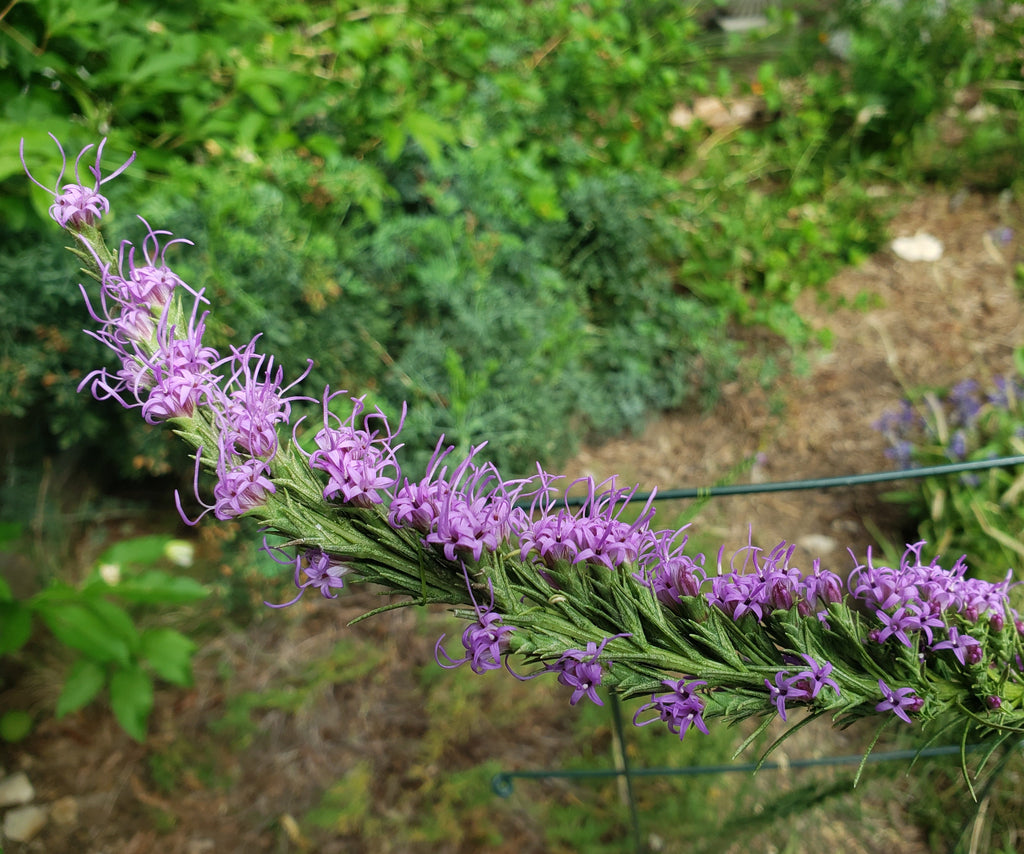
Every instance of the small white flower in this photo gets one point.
(110, 573)
(180, 552)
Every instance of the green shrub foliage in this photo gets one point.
(484, 209)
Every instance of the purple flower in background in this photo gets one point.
(680, 708)
(323, 571)
(75, 204)
(957, 449)
(901, 701)
(966, 401)
(1008, 392)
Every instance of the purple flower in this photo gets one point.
(254, 401)
(242, 485)
(964, 646)
(485, 641)
(893, 625)
(787, 689)
(580, 670)
(672, 574)
(153, 283)
(594, 534)
(966, 402)
(417, 505)
(179, 375)
(75, 205)
(818, 677)
(360, 463)
(1008, 393)
(680, 708)
(900, 701)
(957, 449)
(323, 571)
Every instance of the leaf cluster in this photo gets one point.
(95, 620)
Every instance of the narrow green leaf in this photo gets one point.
(84, 682)
(131, 698)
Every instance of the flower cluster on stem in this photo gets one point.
(596, 595)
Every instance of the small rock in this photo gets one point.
(920, 247)
(201, 846)
(21, 824)
(16, 789)
(64, 810)
(818, 545)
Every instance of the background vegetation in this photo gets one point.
(495, 211)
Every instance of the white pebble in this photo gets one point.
(21, 824)
(921, 247)
(16, 789)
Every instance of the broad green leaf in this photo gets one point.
(160, 588)
(169, 653)
(146, 550)
(15, 626)
(83, 629)
(131, 698)
(81, 687)
(117, 621)
(15, 726)
(10, 531)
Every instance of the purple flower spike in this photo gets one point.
(76, 205)
(900, 701)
